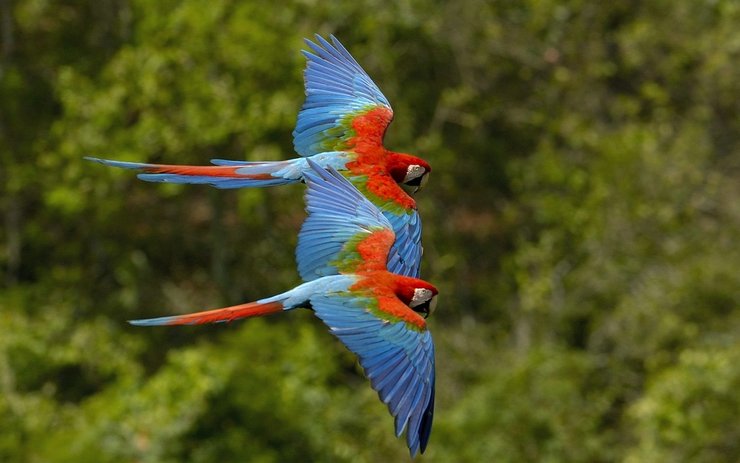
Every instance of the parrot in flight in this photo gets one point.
(380, 316)
(341, 125)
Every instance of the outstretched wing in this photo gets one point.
(343, 105)
(400, 210)
(344, 231)
(395, 349)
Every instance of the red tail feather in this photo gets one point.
(207, 171)
(226, 314)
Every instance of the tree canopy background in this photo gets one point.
(581, 222)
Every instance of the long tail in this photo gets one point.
(227, 314)
(225, 174)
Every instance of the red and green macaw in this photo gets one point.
(342, 254)
(341, 125)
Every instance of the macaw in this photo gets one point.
(342, 255)
(341, 125)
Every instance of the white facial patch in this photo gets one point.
(413, 171)
(421, 295)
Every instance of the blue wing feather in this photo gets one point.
(405, 255)
(338, 212)
(398, 361)
(323, 236)
(336, 87)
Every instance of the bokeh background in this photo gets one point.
(582, 223)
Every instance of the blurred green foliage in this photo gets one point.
(582, 224)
